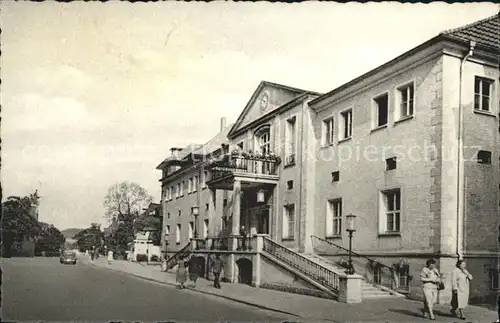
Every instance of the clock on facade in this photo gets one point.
(264, 101)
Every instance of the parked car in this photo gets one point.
(68, 257)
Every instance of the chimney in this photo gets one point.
(222, 124)
(175, 152)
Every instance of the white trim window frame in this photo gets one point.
(288, 231)
(377, 122)
(483, 94)
(405, 100)
(178, 234)
(390, 211)
(204, 182)
(205, 228)
(291, 135)
(345, 120)
(334, 218)
(167, 229)
(190, 185)
(328, 125)
(191, 230)
(265, 142)
(181, 191)
(195, 183)
(178, 190)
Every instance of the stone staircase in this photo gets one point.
(369, 290)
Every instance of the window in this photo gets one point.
(206, 206)
(169, 193)
(168, 215)
(484, 157)
(190, 230)
(334, 218)
(181, 188)
(179, 213)
(495, 278)
(178, 234)
(265, 142)
(190, 185)
(289, 185)
(406, 100)
(289, 221)
(390, 163)
(178, 190)
(335, 176)
(290, 136)
(205, 228)
(167, 229)
(346, 124)
(240, 145)
(328, 127)
(205, 179)
(390, 211)
(195, 184)
(224, 203)
(403, 274)
(381, 110)
(482, 94)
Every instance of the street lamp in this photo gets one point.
(195, 210)
(350, 224)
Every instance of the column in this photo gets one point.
(211, 216)
(236, 208)
(235, 230)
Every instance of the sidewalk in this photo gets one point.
(301, 306)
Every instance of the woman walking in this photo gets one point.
(460, 278)
(110, 256)
(430, 281)
(181, 276)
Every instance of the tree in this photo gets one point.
(18, 222)
(90, 237)
(124, 200)
(50, 239)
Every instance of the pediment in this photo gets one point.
(265, 99)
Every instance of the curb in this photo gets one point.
(198, 291)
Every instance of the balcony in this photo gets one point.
(246, 168)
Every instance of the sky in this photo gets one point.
(97, 93)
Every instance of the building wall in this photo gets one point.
(361, 162)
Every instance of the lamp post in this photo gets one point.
(261, 197)
(350, 219)
(195, 210)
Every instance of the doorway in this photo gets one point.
(244, 271)
(263, 222)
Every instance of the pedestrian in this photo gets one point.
(92, 253)
(181, 276)
(217, 267)
(194, 270)
(110, 256)
(460, 278)
(498, 304)
(431, 283)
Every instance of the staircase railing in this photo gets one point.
(172, 261)
(315, 271)
(374, 271)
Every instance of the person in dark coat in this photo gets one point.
(194, 270)
(217, 267)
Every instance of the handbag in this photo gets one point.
(441, 286)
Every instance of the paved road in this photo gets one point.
(42, 289)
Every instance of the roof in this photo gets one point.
(215, 143)
(256, 92)
(181, 154)
(485, 31)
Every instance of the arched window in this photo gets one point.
(263, 138)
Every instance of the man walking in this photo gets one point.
(217, 267)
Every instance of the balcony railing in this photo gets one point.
(231, 164)
(374, 272)
(184, 252)
(315, 271)
(220, 243)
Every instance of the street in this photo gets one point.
(44, 290)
